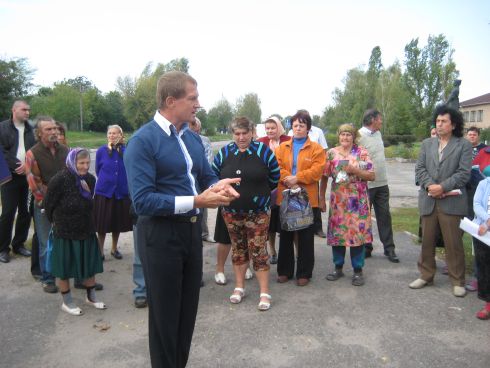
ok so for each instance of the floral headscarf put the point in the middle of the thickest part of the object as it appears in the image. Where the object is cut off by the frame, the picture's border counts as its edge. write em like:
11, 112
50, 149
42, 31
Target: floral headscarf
71, 164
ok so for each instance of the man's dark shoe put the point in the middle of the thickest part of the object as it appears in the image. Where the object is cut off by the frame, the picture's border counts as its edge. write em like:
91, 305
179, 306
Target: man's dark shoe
140, 302
4, 257
50, 288
282, 279
392, 257
320, 234
79, 285
335, 275
22, 251
303, 281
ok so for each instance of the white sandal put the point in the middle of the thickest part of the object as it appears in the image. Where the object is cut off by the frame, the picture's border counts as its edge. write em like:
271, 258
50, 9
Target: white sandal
265, 306
220, 278
237, 298
96, 305
76, 311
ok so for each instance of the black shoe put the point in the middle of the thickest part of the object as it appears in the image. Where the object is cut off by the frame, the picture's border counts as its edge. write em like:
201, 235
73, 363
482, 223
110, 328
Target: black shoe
4, 257
22, 251
321, 234
335, 275
392, 257
50, 288
79, 285
140, 302
116, 254
357, 279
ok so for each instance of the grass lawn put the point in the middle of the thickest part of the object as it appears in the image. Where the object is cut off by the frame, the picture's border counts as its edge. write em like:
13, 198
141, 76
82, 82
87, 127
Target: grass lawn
97, 139
407, 219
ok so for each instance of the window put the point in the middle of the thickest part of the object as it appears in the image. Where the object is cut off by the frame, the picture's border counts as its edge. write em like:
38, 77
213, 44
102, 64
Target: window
466, 116
479, 116
472, 116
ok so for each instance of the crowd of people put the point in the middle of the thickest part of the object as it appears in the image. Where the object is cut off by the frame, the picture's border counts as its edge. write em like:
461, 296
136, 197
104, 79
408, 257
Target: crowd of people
161, 184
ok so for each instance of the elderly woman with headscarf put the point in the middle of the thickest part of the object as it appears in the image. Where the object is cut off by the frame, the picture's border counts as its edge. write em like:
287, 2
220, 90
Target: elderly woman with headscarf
302, 162
75, 252
349, 218
247, 218
111, 199
275, 136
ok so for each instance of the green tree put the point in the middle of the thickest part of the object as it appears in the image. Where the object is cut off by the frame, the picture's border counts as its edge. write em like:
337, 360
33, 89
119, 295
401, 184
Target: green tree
249, 106
220, 115
139, 93
62, 103
349, 102
15, 82
393, 101
375, 67
429, 74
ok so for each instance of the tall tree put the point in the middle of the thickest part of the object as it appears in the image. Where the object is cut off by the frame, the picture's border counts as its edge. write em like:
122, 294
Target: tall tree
220, 115
429, 74
375, 68
15, 82
139, 93
249, 106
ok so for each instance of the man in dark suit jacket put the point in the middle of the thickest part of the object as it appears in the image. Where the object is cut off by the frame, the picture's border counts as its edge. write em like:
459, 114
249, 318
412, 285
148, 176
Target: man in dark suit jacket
16, 138
444, 165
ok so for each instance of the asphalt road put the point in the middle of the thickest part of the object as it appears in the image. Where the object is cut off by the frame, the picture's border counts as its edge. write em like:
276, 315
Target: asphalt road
325, 324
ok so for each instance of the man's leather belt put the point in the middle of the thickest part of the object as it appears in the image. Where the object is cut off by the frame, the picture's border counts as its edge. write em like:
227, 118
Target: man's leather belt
177, 218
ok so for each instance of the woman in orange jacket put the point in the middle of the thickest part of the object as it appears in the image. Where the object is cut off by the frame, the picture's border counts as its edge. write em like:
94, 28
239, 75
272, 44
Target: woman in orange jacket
302, 163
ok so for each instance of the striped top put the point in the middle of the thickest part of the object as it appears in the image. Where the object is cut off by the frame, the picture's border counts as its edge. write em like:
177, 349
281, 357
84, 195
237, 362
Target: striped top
257, 167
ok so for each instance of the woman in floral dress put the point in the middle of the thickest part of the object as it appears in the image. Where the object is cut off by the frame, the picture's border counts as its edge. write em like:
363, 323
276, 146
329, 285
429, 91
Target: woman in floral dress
349, 218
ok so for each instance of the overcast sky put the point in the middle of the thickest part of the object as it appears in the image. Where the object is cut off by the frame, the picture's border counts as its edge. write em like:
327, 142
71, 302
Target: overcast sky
291, 53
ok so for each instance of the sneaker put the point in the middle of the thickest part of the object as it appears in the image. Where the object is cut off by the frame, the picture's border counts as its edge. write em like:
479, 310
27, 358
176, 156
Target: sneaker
50, 288
335, 275
116, 254
418, 284
357, 279
459, 291
140, 302
471, 285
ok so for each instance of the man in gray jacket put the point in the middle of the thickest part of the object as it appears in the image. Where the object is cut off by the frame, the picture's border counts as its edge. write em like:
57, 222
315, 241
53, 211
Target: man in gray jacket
442, 171
379, 193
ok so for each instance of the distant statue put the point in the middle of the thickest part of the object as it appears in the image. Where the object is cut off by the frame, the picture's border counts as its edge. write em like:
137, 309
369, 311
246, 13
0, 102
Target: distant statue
453, 99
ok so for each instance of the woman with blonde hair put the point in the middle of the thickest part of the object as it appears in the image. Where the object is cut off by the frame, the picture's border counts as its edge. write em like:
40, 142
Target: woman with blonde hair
349, 218
111, 190
275, 136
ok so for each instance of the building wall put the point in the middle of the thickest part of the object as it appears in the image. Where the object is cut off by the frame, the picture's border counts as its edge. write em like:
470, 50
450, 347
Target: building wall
478, 116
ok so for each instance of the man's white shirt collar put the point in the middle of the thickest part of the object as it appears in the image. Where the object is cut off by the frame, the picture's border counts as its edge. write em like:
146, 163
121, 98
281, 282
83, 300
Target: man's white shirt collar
367, 130
165, 124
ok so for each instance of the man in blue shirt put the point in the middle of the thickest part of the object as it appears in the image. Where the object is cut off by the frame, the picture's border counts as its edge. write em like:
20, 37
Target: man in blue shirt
167, 168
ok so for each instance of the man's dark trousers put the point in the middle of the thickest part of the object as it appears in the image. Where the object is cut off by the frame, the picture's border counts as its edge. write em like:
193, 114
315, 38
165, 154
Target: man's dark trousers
379, 198
171, 254
14, 197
